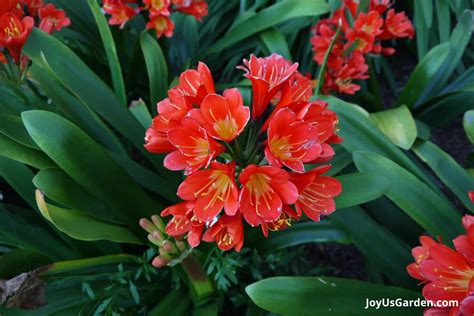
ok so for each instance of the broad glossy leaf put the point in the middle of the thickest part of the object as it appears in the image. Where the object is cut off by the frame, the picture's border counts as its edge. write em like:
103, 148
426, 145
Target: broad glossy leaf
13, 150
141, 113
268, 17
458, 42
373, 240
74, 109
110, 51
19, 177
424, 72
89, 165
274, 42
157, 68
361, 133
12, 126
444, 20
422, 32
398, 125
184, 45
302, 233
358, 188
445, 108
82, 83
80, 226
325, 296
430, 210
447, 169
61, 188
165, 187
468, 123
15, 231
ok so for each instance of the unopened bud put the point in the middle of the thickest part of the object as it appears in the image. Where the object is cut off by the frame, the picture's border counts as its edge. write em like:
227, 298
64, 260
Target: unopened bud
158, 222
160, 262
155, 238
147, 225
169, 247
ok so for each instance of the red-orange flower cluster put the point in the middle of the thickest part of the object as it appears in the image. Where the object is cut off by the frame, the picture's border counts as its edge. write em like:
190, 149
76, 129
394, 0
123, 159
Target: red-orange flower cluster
16, 25
159, 11
448, 274
245, 164
361, 34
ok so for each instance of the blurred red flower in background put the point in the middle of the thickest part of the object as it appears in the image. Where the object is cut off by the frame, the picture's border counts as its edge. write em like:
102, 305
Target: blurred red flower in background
361, 34
16, 26
159, 11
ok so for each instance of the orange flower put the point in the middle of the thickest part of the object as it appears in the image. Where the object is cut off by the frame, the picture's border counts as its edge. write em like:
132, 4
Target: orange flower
195, 85
52, 19
397, 25
184, 222
14, 33
227, 232
267, 76
162, 24
170, 112
195, 149
282, 222
448, 274
212, 190
158, 7
33, 6
264, 191
120, 12
291, 142
224, 116
196, 8
316, 192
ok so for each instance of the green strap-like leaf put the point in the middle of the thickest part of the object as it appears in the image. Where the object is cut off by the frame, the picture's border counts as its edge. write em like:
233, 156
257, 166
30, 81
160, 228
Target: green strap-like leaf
274, 42
359, 188
302, 233
61, 188
13, 150
424, 72
83, 227
83, 83
280, 12
156, 67
398, 125
12, 126
359, 226
74, 109
361, 133
17, 232
89, 165
110, 51
326, 296
448, 170
430, 210
141, 113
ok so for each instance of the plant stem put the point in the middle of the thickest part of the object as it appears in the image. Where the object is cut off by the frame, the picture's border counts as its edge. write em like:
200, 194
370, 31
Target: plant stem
322, 70
200, 285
